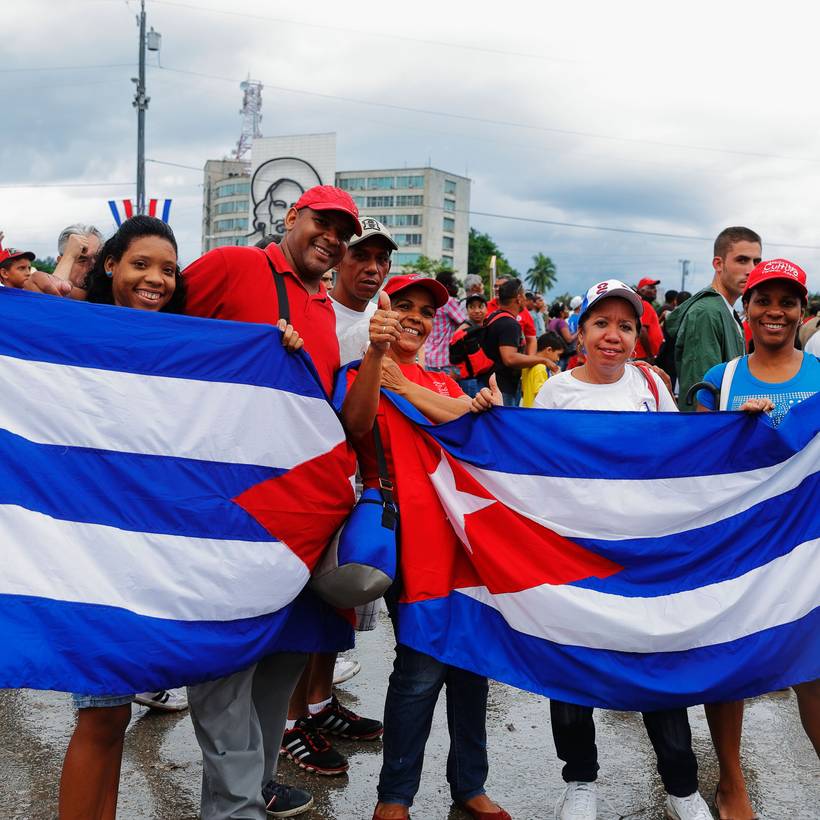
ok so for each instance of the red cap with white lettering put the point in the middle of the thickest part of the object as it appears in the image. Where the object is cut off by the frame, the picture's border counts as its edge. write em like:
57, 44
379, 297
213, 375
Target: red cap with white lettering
777, 269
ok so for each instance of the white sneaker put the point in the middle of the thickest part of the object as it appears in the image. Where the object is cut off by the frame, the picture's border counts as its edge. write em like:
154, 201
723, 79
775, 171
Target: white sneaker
166, 700
344, 670
687, 808
578, 802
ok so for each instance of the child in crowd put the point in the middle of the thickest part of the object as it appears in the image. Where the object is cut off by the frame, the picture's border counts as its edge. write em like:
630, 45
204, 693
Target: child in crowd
532, 378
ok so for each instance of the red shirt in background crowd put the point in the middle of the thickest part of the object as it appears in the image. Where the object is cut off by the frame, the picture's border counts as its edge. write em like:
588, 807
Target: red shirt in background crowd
236, 283
524, 319
438, 382
653, 326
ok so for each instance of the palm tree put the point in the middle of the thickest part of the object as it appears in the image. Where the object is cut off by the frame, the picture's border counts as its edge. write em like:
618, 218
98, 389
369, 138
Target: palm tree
542, 275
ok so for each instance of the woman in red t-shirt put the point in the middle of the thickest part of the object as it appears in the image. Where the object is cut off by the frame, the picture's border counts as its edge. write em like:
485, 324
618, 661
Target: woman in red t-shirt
397, 332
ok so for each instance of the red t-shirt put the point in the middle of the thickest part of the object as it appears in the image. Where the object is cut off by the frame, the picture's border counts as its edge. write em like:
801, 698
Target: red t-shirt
236, 283
653, 326
366, 450
524, 319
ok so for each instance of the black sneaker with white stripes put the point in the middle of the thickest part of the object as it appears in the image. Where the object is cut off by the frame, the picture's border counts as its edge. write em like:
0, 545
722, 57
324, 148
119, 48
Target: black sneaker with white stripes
285, 801
312, 752
337, 720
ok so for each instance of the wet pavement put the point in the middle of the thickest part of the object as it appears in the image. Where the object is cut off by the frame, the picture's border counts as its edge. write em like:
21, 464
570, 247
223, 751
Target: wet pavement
161, 766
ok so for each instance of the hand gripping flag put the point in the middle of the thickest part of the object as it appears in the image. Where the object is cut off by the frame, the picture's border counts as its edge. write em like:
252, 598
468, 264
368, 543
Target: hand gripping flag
626, 560
166, 485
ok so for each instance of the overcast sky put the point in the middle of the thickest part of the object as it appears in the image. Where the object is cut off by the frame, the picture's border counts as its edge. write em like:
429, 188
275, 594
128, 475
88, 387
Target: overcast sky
651, 117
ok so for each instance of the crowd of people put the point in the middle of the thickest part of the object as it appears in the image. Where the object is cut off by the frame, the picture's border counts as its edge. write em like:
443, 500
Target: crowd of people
326, 284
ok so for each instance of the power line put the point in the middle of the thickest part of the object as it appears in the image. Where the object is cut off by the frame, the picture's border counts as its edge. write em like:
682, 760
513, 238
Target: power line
505, 123
65, 67
380, 35
65, 184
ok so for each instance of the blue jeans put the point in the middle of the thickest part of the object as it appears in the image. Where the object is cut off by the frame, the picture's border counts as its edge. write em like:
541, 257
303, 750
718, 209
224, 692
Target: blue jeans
414, 687
472, 386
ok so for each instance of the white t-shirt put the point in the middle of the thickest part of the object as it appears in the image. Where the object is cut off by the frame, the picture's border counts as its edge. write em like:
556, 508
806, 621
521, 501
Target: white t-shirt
813, 345
631, 392
352, 330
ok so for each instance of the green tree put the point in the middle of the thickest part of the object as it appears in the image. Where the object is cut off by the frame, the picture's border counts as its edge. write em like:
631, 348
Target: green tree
48, 264
430, 267
480, 248
542, 275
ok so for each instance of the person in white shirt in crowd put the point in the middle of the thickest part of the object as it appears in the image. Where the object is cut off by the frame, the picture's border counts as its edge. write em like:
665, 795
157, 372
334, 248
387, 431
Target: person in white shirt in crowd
608, 327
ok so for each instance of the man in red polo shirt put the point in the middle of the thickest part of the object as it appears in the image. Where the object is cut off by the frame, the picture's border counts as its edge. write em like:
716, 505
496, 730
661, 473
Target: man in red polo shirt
651, 335
239, 720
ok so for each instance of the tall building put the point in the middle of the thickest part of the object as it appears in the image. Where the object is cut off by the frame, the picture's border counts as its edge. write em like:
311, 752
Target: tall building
427, 211
225, 197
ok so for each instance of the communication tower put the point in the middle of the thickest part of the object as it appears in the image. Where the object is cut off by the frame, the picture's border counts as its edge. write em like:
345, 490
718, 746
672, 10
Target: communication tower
251, 112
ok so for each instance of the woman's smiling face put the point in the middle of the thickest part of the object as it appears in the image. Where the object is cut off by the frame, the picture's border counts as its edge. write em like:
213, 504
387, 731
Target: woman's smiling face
773, 310
416, 311
609, 334
145, 276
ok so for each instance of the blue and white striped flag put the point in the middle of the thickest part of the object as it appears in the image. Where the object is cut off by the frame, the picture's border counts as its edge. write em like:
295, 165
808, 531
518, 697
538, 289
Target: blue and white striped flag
166, 485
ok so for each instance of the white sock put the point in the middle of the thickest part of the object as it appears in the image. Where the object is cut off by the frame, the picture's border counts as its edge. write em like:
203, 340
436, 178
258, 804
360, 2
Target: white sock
289, 724
315, 708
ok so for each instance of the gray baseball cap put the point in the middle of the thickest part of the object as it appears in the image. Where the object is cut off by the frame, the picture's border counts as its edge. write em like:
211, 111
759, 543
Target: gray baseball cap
370, 228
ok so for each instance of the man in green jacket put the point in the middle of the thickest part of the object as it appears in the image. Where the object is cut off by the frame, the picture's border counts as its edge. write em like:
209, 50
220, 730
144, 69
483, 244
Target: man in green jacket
705, 329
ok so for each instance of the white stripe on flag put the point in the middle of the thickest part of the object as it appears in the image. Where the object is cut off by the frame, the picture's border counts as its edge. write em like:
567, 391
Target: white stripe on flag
163, 576
157, 415
616, 509
779, 592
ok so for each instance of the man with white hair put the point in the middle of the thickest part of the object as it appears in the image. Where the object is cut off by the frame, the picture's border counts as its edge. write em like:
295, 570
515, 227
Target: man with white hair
77, 247
473, 286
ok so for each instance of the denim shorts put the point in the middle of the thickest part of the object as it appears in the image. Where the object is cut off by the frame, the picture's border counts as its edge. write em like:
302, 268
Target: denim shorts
97, 701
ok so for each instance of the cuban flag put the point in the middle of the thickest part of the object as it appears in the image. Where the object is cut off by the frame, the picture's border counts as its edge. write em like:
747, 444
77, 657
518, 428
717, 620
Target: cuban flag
163, 212
167, 483
634, 561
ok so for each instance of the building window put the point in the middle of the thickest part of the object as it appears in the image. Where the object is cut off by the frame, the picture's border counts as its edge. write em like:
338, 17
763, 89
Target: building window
232, 207
449, 186
380, 202
379, 183
233, 188
410, 182
409, 200
359, 200
407, 238
407, 220
231, 225
449, 224
406, 258
449, 205
447, 260
353, 184
448, 243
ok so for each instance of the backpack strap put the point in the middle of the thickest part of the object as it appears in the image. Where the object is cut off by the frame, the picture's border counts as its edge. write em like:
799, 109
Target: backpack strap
726, 382
650, 381
281, 290
385, 484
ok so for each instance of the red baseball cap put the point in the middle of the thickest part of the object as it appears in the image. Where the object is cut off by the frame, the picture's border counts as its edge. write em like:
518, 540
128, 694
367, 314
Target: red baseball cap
418, 280
8, 254
647, 281
329, 198
777, 269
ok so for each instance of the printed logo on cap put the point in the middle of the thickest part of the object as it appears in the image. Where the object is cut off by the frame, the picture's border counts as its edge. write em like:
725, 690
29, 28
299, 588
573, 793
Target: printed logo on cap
369, 224
781, 266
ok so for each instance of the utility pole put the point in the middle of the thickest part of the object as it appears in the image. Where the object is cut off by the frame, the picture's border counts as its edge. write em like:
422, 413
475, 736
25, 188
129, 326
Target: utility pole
151, 41
684, 271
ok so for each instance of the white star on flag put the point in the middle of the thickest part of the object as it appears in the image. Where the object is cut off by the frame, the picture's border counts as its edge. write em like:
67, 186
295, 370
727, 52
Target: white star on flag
457, 504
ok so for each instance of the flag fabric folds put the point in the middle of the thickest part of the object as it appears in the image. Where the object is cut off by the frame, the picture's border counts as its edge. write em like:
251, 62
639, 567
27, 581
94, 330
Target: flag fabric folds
633, 561
167, 484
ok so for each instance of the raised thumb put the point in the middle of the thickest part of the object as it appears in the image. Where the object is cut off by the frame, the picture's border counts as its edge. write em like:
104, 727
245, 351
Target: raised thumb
384, 300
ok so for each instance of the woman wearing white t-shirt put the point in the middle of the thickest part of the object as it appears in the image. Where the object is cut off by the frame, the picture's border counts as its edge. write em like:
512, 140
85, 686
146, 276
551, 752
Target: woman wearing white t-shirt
608, 328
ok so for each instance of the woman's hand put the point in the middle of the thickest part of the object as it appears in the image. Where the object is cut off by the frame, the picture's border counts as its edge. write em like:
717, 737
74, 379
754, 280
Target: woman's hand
487, 397
384, 326
392, 377
757, 406
291, 340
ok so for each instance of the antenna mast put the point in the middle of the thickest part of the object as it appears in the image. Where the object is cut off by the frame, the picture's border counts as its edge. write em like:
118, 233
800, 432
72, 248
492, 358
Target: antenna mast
251, 112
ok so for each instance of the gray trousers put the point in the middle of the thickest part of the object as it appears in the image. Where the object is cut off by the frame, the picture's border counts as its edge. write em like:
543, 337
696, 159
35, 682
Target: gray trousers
239, 721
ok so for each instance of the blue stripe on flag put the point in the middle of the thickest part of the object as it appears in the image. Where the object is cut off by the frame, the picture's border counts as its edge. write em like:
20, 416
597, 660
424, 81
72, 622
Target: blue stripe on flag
676, 439
726, 549
166, 210
446, 628
65, 331
146, 654
135, 492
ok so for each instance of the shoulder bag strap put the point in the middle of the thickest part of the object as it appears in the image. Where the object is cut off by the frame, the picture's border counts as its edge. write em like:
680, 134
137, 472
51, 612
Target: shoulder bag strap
651, 383
385, 484
281, 290
726, 382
